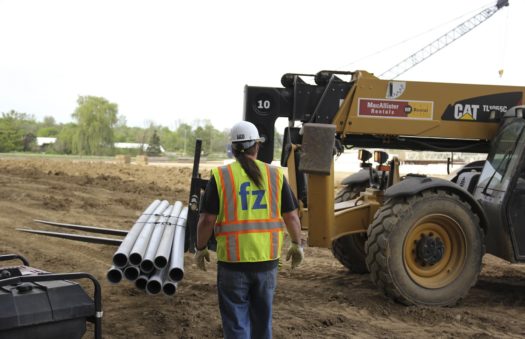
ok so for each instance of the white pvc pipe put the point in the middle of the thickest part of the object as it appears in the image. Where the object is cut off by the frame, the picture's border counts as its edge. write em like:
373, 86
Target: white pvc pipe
141, 282
164, 249
154, 285
114, 274
140, 246
176, 268
120, 258
131, 273
146, 265
169, 287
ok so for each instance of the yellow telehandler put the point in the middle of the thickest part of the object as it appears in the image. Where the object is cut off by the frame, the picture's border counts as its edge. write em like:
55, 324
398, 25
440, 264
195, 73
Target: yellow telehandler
421, 238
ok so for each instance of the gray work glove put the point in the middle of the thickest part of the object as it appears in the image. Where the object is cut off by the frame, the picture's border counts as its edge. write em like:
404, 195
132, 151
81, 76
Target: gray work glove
200, 256
296, 253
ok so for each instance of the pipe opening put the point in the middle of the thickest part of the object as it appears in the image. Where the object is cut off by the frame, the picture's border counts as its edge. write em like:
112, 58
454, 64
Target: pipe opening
176, 274
160, 262
135, 259
153, 287
146, 266
114, 275
131, 273
169, 288
120, 259
141, 282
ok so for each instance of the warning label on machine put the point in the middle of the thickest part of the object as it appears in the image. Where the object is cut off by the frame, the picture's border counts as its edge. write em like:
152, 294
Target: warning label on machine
398, 109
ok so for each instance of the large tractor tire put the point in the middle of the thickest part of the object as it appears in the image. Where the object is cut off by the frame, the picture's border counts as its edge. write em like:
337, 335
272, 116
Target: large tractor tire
350, 249
426, 249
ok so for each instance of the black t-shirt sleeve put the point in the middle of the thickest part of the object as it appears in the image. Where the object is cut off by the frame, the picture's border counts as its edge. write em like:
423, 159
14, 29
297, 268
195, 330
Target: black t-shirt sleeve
288, 200
210, 199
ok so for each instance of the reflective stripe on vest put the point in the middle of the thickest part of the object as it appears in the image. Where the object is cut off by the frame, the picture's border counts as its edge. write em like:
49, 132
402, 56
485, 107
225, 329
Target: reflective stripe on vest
250, 217
273, 193
226, 177
248, 226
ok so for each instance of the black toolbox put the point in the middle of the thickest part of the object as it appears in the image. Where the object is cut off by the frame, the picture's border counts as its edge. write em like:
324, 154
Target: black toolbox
35, 304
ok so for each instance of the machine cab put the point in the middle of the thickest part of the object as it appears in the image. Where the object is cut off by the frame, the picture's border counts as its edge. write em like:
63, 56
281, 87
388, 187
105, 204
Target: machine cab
501, 189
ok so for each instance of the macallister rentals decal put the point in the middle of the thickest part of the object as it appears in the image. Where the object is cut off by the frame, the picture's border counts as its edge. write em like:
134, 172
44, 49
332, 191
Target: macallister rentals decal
486, 108
395, 109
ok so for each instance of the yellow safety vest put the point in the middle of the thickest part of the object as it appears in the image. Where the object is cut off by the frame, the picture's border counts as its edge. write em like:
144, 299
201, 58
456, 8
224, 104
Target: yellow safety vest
249, 226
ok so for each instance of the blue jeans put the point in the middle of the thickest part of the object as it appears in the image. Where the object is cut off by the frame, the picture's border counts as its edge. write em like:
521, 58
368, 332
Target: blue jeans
245, 301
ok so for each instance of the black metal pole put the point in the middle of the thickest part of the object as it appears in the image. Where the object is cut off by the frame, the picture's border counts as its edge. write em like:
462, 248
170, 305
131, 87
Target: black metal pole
93, 229
197, 158
195, 191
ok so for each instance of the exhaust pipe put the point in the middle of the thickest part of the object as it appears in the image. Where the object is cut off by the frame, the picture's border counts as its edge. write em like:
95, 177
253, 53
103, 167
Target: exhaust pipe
176, 269
164, 250
120, 258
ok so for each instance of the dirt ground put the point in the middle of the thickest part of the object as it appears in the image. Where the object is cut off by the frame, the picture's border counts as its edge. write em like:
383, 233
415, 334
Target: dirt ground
318, 300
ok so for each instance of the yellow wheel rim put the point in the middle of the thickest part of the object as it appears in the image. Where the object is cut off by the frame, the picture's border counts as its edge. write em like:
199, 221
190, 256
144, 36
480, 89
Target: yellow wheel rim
434, 251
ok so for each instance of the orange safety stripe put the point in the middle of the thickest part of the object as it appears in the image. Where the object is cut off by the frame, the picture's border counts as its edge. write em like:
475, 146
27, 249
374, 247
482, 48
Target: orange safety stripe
270, 195
237, 247
227, 251
276, 240
249, 226
275, 181
235, 217
239, 222
277, 195
280, 229
224, 197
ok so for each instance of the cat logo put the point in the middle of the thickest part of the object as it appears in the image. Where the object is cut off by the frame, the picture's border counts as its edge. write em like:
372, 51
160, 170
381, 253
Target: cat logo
466, 112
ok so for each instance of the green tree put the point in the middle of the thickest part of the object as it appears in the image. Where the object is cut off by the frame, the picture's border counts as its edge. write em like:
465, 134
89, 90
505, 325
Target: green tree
201, 133
154, 145
48, 131
17, 131
29, 142
220, 141
169, 139
278, 145
49, 121
185, 139
64, 143
48, 127
96, 118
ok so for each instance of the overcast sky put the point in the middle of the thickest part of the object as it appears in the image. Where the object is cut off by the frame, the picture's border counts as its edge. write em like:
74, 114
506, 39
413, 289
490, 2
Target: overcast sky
172, 61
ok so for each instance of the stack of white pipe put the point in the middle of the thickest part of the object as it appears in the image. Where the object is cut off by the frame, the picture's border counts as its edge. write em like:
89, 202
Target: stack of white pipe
152, 253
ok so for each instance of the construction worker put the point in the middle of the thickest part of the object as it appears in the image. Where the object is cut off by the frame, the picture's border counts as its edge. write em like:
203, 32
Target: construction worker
245, 204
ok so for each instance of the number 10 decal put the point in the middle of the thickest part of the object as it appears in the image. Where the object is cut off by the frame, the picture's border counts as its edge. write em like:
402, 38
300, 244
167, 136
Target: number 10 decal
263, 104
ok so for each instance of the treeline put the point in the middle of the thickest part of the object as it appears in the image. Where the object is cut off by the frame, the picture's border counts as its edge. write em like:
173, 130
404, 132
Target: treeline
96, 127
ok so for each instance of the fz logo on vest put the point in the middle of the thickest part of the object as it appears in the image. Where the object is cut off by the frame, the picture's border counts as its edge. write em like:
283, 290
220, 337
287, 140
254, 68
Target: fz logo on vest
259, 195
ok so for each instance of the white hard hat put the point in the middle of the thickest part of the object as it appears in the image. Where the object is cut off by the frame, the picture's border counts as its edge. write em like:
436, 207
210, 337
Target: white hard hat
245, 133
